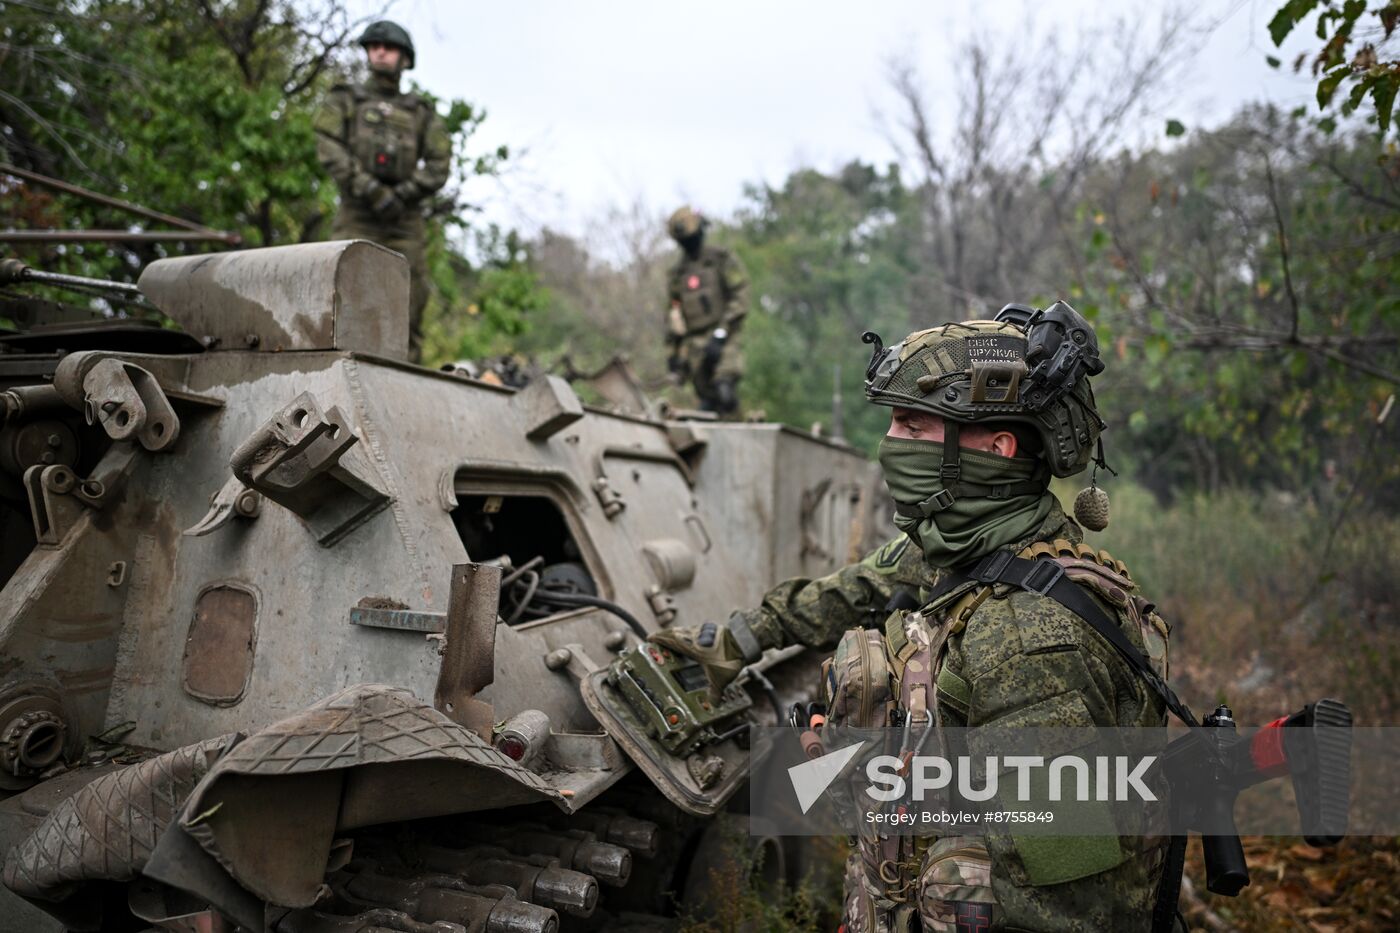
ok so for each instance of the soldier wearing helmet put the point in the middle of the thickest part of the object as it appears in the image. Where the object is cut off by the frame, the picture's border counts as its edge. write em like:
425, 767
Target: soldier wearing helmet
388, 152
984, 413
709, 295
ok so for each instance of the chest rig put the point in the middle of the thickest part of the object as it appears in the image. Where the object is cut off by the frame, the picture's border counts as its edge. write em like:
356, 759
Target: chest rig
922, 696
1061, 570
384, 135
701, 287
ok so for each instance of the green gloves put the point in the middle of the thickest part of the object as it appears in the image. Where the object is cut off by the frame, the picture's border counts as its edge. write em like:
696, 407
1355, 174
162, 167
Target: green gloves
722, 650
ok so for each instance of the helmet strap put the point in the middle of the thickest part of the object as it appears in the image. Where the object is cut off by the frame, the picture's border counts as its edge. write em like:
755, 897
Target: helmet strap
952, 451
1099, 461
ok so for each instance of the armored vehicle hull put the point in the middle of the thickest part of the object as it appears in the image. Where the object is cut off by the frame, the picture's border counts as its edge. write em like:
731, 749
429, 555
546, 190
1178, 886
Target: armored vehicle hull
292, 632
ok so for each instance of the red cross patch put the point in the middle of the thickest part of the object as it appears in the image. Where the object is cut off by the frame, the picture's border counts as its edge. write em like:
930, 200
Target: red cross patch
693, 282
972, 917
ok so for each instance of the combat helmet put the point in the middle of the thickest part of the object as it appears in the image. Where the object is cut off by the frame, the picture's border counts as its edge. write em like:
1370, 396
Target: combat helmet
389, 33
686, 222
1025, 367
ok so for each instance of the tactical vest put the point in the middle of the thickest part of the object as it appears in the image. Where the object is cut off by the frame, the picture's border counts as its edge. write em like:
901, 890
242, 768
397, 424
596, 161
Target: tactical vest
945, 882
385, 134
700, 284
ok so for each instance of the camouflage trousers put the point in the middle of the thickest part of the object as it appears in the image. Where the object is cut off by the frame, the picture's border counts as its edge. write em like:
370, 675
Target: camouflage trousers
406, 235
907, 884
715, 387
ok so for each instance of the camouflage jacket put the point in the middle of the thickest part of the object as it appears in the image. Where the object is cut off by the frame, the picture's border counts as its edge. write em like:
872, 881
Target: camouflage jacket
370, 132
710, 291
1018, 658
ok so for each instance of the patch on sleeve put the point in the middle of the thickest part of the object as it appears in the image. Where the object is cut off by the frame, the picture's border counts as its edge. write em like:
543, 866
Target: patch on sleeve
886, 559
972, 917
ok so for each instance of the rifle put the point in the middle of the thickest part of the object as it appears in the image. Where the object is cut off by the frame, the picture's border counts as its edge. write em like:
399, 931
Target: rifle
1312, 747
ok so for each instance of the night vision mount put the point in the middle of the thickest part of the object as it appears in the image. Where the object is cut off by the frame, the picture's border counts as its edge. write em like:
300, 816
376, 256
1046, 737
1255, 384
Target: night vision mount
1061, 348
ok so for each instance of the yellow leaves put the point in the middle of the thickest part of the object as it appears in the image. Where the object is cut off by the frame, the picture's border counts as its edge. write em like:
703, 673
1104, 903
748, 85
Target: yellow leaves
473, 309
1306, 852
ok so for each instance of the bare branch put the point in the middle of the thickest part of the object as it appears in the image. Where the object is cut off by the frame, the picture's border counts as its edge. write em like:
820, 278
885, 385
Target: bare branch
1282, 246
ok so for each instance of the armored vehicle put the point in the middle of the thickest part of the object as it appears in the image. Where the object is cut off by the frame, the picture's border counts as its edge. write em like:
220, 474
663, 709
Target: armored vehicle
295, 635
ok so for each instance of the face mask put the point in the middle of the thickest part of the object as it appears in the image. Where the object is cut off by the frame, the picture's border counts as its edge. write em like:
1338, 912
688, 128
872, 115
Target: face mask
971, 527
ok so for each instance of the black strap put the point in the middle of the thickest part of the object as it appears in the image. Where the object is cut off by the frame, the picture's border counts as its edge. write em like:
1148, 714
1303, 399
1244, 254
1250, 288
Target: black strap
1169, 888
949, 494
1048, 578
951, 467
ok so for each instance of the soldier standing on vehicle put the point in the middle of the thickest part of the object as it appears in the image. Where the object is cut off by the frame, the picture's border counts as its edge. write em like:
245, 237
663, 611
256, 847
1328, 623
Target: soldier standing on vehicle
388, 152
984, 414
709, 295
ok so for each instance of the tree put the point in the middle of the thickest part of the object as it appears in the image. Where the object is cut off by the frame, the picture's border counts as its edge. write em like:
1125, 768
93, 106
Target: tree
203, 109
830, 256
1357, 52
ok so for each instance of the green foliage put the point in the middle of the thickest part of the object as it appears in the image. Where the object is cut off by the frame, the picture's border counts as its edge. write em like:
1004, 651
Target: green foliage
830, 257
1241, 577
205, 111
1355, 52
500, 296
1233, 361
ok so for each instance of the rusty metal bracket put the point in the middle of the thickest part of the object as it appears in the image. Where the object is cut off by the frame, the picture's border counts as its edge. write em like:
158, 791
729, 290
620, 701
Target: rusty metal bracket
57, 496
233, 500
302, 459
469, 654
128, 402
55, 512
399, 620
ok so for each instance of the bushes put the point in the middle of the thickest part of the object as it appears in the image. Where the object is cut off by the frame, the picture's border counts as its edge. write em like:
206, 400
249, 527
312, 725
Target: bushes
1263, 614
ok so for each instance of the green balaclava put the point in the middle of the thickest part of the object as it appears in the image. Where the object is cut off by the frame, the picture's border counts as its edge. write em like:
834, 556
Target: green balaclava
1028, 371
970, 527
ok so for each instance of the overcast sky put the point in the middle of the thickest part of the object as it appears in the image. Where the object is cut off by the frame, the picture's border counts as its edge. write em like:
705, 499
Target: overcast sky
614, 101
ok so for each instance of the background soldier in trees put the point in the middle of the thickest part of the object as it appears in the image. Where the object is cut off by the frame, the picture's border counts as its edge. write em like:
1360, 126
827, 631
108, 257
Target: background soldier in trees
709, 293
388, 152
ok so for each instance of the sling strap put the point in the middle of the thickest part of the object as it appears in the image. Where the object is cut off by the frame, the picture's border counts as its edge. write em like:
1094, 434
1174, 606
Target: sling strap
1047, 578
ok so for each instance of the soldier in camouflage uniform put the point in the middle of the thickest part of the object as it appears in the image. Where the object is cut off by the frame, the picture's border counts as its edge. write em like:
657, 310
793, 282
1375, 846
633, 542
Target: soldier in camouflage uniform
389, 152
980, 423
709, 293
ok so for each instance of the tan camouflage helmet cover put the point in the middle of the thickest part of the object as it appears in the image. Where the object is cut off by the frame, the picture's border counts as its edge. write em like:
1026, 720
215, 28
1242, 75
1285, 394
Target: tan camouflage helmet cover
685, 222
1025, 368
